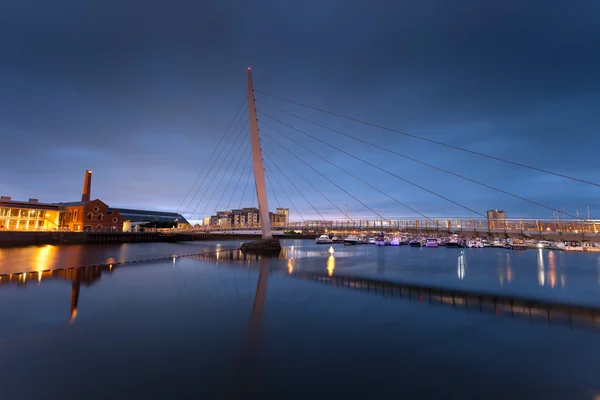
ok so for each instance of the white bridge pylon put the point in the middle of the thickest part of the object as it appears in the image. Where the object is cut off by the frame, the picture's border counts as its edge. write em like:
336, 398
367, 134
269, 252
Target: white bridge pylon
257, 164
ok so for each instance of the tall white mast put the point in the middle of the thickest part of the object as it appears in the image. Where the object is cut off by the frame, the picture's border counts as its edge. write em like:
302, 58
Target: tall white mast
257, 164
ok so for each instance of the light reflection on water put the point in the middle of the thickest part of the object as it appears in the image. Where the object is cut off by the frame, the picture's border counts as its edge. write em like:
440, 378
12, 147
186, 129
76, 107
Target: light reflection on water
557, 275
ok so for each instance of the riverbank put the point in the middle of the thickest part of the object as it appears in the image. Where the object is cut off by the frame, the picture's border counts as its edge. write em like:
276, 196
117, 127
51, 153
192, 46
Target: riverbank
16, 238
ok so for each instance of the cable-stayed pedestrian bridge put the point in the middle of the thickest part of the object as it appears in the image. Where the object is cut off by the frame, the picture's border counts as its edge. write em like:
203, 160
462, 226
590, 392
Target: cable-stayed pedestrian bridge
312, 162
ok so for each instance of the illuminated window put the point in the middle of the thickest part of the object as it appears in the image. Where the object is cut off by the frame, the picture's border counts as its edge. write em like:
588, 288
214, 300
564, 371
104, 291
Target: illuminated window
23, 213
14, 212
3, 212
75, 216
41, 214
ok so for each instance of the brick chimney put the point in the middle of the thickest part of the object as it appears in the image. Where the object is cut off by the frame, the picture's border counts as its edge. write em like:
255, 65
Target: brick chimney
87, 186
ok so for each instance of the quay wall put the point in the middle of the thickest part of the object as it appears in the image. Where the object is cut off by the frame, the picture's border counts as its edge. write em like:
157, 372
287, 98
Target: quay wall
15, 238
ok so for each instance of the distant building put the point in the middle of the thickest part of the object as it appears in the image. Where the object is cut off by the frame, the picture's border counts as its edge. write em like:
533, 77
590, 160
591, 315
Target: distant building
496, 219
246, 217
158, 218
86, 215
28, 215
282, 216
90, 216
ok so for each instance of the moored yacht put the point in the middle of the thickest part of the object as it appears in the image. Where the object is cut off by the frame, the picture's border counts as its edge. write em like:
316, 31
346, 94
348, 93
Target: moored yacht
324, 239
351, 240
415, 243
431, 242
395, 241
518, 244
591, 247
380, 240
372, 240
573, 246
453, 242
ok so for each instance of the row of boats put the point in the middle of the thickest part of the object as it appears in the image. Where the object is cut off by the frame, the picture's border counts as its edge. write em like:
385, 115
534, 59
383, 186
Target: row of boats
456, 241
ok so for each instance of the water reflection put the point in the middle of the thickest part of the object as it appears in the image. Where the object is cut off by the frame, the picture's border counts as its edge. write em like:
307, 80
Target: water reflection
77, 276
509, 274
43, 257
552, 269
540, 264
330, 265
461, 265
290, 265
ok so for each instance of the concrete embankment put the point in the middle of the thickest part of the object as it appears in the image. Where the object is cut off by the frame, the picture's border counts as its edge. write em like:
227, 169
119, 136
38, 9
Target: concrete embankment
15, 238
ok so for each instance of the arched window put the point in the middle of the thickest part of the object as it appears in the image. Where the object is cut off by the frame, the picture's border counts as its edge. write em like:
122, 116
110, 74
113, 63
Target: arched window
99, 228
100, 216
90, 216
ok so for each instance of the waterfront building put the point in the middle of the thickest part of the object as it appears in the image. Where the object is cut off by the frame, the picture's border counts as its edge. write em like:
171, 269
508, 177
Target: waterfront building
90, 216
86, 215
496, 219
28, 215
246, 217
286, 214
159, 218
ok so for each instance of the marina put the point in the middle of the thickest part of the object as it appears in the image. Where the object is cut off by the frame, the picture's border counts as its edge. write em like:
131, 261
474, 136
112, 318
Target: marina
444, 305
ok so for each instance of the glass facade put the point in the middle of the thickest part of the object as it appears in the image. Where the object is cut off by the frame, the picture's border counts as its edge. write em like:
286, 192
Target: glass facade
26, 219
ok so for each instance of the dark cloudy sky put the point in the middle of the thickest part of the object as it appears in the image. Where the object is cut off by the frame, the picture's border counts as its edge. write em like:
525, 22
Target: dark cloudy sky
141, 92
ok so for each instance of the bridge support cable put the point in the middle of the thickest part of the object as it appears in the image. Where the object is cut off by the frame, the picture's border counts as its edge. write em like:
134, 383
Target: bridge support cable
330, 181
355, 177
211, 154
272, 187
419, 161
431, 140
212, 166
284, 192
216, 173
248, 179
301, 176
240, 158
370, 164
247, 165
271, 162
234, 156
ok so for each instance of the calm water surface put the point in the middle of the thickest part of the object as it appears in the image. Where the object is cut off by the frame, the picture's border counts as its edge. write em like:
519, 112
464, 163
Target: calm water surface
225, 328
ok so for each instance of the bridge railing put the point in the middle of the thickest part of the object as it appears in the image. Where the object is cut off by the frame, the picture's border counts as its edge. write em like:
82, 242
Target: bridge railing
456, 225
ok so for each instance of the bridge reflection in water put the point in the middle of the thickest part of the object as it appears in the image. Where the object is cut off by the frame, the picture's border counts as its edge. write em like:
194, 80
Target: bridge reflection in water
530, 309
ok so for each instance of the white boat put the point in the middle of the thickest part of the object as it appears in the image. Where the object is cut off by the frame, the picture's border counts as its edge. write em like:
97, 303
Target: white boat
395, 241
323, 239
431, 242
485, 243
518, 244
351, 240
454, 242
372, 240
573, 246
591, 247
379, 241
543, 244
